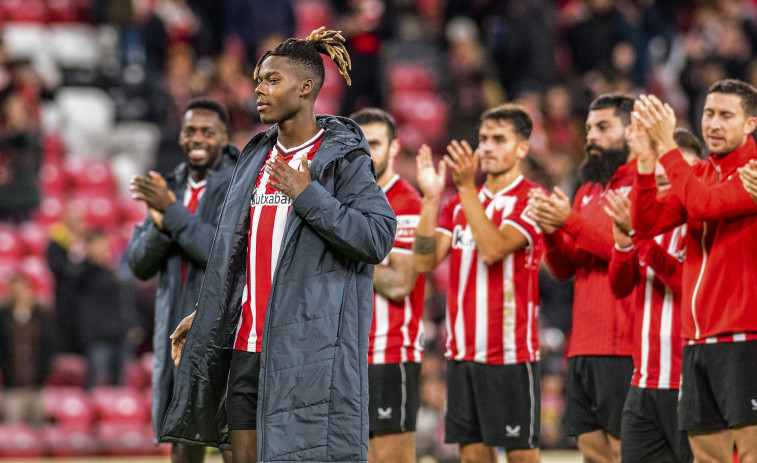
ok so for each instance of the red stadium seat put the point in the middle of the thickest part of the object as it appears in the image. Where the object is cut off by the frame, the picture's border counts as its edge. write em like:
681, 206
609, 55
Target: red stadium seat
310, 15
100, 209
49, 211
25, 11
135, 375
64, 11
63, 442
130, 212
20, 441
120, 405
90, 176
10, 247
68, 370
35, 267
34, 239
52, 180
70, 407
125, 439
411, 77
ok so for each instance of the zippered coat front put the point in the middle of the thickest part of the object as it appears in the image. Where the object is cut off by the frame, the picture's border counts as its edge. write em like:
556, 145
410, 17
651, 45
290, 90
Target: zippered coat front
313, 394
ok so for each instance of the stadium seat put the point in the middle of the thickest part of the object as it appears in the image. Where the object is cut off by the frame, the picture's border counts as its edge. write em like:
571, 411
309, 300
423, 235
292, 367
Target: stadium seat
310, 15
25, 11
89, 176
49, 211
33, 238
10, 247
52, 181
69, 407
64, 11
35, 268
68, 370
75, 46
120, 405
87, 115
100, 209
125, 439
135, 376
25, 40
20, 441
7, 268
63, 442
411, 77
130, 212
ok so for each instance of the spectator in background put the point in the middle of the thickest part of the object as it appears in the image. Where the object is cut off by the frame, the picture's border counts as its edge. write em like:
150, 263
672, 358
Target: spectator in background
64, 253
252, 21
472, 78
20, 146
104, 312
367, 25
171, 23
27, 344
174, 240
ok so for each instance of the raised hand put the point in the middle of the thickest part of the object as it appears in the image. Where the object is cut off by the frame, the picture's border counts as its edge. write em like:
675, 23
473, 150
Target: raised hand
179, 337
430, 181
748, 175
463, 163
640, 146
618, 207
549, 211
659, 121
153, 190
286, 179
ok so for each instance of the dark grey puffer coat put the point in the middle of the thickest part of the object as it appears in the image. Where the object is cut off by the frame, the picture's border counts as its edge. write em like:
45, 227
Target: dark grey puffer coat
152, 252
313, 402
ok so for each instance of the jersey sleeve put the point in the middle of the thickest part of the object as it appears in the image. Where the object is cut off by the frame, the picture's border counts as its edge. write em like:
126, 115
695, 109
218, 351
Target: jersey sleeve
445, 222
407, 209
520, 218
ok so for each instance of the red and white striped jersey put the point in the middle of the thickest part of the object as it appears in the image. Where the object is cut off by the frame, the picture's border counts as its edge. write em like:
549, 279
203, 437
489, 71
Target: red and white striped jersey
658, 347
268, 214
396, 330
492, 310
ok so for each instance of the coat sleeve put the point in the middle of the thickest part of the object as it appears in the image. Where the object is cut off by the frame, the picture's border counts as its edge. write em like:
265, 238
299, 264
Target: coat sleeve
562, 256
148, 250
357, 220
706, 202
666, 267
588, 237
188, 230
652, 214
623, 272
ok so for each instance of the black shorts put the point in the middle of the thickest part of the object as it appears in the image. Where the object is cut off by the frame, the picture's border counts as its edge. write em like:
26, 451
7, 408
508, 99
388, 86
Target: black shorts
649, 431
242, 391
719, 386
393, 396
498, 405
596, 387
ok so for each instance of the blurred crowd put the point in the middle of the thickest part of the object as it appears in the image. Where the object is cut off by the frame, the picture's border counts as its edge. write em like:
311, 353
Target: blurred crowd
91, 92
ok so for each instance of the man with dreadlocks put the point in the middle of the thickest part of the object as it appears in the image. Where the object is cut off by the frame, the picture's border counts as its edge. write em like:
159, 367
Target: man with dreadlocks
276, 360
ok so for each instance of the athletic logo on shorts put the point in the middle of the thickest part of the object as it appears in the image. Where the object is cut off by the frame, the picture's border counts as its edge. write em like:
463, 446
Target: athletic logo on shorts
754, 404
385, 413
512, 431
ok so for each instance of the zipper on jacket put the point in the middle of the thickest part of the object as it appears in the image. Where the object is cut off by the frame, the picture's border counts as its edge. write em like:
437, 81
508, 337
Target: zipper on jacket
699, 281
341, 312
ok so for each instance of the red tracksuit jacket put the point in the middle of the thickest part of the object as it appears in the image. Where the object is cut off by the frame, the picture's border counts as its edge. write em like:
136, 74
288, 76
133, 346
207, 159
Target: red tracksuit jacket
719, 290
582, 247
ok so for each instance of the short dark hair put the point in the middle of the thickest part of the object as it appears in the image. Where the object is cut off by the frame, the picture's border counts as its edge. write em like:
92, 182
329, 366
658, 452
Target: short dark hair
687, 141
210, 105
622, 103
740, 88
307, 54
376, 115
515, 114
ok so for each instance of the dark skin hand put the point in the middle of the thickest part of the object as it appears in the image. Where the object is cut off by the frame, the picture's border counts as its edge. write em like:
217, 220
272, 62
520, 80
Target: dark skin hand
153, 191
287, 180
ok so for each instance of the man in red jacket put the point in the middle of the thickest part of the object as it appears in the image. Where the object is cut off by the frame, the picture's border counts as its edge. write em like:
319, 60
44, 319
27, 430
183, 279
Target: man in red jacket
651, 269
579, 243
718, 403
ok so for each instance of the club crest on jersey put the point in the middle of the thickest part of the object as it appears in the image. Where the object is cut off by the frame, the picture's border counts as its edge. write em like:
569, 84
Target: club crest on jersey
271, 199
506, 204
462, 238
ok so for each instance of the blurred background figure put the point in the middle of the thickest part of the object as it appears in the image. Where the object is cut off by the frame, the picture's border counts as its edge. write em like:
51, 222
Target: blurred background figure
105, 316
27, 344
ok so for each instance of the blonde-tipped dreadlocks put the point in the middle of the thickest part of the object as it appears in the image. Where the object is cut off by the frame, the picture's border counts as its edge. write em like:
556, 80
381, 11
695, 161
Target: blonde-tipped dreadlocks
306, 52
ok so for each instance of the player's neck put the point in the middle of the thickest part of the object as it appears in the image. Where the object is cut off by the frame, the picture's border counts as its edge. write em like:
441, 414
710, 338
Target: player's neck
386, 177
497, 182
197, 175
298, 129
